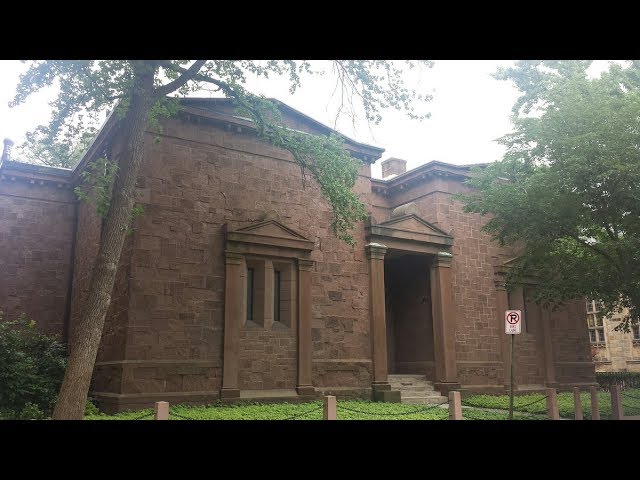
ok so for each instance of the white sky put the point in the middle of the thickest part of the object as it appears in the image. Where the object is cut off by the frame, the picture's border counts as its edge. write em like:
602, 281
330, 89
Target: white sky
470, 109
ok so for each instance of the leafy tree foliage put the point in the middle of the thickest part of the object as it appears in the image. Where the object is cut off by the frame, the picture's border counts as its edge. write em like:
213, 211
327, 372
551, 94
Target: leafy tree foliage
566, 193
31, 369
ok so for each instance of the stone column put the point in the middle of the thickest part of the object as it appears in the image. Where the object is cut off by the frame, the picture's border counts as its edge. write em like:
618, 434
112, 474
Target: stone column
549, 365
233, 308
502, 304
304, 386
444, 324
375, 256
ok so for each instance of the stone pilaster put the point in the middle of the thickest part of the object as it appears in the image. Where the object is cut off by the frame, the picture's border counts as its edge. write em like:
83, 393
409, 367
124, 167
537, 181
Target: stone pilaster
549, 363
233, 308
444, 324
304, 386
375, 256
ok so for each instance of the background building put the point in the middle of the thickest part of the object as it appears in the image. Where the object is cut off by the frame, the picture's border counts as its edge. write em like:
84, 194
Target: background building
612, 351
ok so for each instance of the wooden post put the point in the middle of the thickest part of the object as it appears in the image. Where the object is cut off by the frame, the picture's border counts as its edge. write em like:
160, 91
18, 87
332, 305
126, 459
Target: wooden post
455, 406
330, 407
552, 404
162, 411
595, 409
577, 404
616, 403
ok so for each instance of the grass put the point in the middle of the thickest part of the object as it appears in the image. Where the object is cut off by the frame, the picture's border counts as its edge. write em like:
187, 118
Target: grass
487, 407
347, 410
536, 403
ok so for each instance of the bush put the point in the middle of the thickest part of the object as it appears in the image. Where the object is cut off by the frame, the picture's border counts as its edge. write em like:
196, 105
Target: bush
624, 379
31, 412
31, 369
91, 410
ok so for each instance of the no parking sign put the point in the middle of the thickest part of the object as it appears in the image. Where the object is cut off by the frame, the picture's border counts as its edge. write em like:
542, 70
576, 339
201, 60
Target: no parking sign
512, 321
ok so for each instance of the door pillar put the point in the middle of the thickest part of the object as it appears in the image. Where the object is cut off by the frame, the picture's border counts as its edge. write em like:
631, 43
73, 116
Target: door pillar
444, 324
375, 257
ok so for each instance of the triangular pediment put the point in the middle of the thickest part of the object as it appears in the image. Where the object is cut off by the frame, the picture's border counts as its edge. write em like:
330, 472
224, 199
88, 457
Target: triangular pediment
272, 228
413, 223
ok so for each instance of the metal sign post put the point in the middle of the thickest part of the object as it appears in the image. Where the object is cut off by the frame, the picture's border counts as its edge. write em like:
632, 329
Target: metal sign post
512, 326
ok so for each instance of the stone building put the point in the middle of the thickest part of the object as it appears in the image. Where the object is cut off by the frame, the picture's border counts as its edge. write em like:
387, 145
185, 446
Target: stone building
612, 351
232, 285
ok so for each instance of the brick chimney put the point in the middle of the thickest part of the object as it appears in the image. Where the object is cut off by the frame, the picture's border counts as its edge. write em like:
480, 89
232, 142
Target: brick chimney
6, 152
393, 166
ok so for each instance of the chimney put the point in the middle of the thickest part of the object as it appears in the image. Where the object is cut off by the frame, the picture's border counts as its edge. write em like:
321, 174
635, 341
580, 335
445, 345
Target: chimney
6, 152
393, 166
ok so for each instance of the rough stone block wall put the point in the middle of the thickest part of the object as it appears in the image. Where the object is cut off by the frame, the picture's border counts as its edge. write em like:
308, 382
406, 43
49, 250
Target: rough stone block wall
268, 359
478, 328
192, 182
36, 227
571, 346
529, 350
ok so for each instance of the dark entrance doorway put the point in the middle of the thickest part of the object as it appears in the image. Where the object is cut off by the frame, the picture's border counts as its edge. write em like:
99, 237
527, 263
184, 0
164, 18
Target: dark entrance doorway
408, 314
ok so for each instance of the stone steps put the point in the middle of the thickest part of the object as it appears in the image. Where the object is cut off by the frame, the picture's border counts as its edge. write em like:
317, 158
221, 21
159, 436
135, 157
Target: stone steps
424, 400
415, 389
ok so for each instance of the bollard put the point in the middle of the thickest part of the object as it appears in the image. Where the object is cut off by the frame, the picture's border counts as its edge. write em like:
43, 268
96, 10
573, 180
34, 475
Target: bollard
455, 406
552, 404
595, 409
162, 411
616, 403
577, 404
330, 407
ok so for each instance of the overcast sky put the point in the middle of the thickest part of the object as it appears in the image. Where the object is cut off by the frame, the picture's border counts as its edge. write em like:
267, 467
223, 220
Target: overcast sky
470, 109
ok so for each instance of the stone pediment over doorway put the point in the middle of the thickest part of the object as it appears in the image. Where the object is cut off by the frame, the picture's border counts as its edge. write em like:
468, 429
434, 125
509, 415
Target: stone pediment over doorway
269, 233
409, 232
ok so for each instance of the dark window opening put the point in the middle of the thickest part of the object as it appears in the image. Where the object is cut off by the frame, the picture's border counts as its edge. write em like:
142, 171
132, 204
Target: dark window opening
250, 276
276, 296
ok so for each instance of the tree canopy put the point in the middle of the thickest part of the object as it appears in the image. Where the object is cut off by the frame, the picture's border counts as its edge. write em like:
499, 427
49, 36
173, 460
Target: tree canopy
566, 193
89, 87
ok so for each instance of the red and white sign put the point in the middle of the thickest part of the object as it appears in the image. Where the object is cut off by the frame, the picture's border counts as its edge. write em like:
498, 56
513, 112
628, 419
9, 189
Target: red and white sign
512, 321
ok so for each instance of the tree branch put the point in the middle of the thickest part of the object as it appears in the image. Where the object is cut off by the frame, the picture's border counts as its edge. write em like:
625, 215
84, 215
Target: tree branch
187, 74
596, 249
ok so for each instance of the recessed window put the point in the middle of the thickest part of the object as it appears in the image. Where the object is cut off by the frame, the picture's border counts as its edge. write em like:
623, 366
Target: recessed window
636, 332
276, 295
250, 284
269, 293
283, 293
254, 293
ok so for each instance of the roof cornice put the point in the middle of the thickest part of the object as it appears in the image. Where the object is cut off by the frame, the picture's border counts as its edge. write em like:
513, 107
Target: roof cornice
426, 172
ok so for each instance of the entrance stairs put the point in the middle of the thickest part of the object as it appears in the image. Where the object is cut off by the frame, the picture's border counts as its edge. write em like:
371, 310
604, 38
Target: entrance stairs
415, 389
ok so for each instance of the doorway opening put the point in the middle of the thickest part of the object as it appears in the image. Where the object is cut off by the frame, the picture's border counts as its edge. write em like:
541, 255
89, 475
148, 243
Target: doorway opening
408, 314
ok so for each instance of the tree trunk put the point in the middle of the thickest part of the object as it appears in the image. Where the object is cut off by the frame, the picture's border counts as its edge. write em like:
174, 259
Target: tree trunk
88, 332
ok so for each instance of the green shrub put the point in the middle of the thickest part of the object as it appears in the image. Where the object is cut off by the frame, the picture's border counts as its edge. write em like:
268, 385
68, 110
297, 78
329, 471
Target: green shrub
31, 412
624, 379
31, 369
91, 410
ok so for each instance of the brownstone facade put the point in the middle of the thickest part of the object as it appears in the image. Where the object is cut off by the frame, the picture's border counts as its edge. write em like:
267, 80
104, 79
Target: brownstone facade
232, 284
